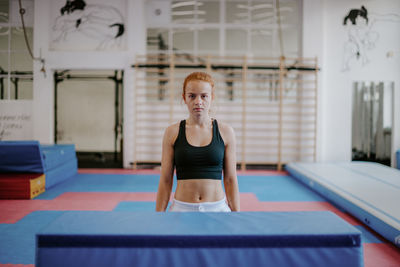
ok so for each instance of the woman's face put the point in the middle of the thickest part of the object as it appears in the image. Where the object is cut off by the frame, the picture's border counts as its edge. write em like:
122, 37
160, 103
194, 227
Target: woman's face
198, 97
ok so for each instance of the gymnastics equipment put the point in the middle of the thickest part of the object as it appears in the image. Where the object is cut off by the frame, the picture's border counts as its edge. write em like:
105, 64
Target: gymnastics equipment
57, 162
271, 103
369, 191
199, 239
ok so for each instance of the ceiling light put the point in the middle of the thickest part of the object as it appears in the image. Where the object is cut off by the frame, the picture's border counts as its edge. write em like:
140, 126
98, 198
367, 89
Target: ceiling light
186, 3
184, 13
255, 6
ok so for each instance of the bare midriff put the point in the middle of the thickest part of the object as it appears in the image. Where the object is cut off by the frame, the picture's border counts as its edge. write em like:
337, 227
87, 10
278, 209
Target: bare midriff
199, 190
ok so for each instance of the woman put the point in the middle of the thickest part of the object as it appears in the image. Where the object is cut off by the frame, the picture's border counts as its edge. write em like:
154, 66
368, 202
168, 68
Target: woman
201, 149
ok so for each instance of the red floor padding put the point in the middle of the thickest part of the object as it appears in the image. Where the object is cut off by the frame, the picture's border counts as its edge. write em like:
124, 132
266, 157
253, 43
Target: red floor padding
89, 196
381, 255
14, 210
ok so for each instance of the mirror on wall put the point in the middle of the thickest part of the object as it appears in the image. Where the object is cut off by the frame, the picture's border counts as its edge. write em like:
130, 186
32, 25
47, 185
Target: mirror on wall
372, 121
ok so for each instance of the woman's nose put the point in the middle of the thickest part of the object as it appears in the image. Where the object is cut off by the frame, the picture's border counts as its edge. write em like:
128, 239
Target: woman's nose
197, 100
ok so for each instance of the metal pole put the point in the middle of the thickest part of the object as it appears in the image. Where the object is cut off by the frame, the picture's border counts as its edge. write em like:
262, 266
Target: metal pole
116, 103
56, 81
281, 70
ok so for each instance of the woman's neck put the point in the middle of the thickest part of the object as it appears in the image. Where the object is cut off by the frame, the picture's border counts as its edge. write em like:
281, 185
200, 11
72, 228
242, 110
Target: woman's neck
199, 121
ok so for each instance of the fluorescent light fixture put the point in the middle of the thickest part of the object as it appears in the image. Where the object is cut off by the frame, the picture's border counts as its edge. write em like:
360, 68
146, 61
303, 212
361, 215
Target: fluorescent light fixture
242, 15
286, 8
263, 15
189, 21
186, 3
261, 32
4, 28
185, 13
266, 21
259, 6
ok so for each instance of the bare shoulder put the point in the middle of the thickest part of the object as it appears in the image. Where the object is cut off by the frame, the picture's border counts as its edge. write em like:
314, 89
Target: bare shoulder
171, 133
226, 131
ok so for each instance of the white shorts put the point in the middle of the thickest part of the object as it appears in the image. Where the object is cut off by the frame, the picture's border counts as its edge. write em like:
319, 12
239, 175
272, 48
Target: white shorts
217, 206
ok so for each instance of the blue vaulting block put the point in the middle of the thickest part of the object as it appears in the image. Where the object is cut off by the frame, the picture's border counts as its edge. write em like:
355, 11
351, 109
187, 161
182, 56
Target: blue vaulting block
21, 156
56, 155
57, 162
199, 239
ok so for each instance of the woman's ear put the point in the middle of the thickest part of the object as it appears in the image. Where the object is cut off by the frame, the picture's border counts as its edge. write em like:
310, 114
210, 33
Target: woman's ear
183, 97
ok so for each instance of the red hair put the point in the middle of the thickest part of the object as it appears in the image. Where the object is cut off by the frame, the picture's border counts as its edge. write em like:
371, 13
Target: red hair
198, 76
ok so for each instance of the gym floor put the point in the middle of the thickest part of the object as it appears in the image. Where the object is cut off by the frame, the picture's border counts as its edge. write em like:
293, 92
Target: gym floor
126, 190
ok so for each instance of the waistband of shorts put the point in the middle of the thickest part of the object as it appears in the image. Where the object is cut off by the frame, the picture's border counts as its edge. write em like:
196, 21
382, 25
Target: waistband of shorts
214, 203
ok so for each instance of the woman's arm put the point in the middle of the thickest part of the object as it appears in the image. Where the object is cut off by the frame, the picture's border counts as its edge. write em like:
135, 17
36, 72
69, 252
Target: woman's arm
230, 176
167, 169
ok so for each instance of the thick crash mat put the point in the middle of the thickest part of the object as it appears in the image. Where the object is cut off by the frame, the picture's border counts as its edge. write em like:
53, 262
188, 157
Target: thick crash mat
367, 190
21, 156
199, 239
57, 162
21, 185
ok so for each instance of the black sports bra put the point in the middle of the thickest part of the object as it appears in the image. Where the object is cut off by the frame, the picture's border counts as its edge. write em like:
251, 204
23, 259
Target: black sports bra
203, 162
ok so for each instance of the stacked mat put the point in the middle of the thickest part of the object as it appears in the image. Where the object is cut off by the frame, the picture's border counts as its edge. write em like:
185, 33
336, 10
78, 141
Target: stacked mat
27, 166
21, 185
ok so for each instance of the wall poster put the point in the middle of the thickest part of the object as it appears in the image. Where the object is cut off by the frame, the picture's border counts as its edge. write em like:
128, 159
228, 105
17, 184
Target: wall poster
87, 25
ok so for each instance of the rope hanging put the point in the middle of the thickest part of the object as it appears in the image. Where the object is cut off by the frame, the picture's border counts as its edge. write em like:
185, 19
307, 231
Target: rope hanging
22, 13
278, 13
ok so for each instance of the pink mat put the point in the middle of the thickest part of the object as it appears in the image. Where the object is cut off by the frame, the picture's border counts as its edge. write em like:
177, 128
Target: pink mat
381, 255
14, 210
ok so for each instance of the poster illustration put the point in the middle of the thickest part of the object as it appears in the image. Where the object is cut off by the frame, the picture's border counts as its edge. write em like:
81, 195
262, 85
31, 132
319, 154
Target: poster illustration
87, 25
364, 33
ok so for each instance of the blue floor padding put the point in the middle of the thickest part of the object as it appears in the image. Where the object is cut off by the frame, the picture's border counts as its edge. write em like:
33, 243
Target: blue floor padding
135, 206
104, 183
277, 188
17, 241
367, 236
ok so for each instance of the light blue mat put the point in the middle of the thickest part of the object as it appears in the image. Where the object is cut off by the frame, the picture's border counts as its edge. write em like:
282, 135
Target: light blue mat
369, 191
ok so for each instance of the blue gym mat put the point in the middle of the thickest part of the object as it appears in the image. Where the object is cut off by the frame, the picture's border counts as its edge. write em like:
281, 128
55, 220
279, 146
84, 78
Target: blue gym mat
199, 239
